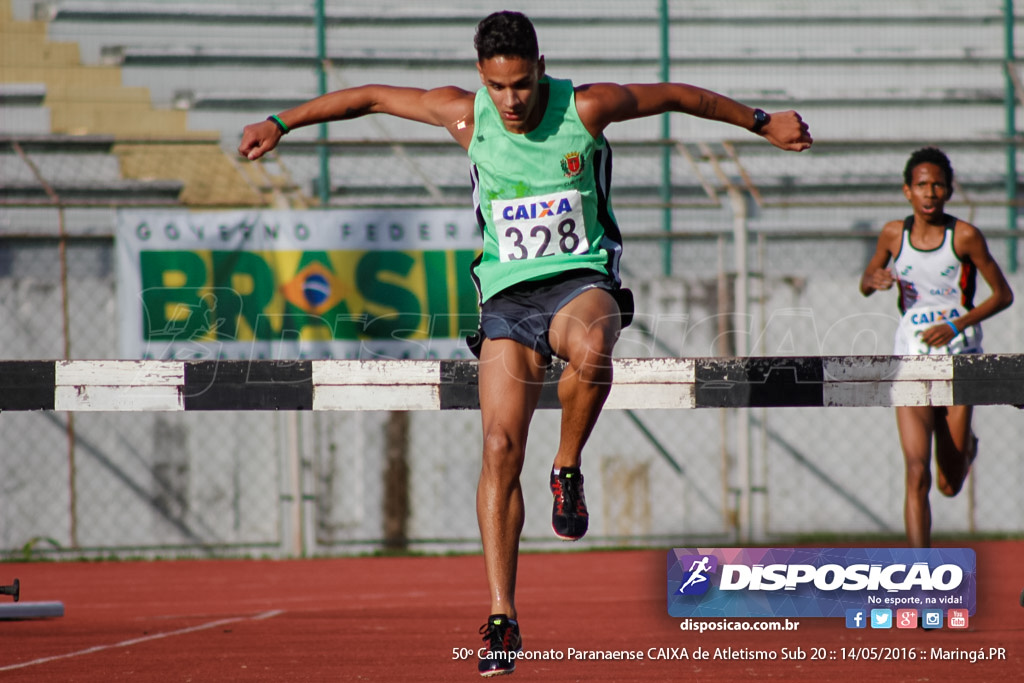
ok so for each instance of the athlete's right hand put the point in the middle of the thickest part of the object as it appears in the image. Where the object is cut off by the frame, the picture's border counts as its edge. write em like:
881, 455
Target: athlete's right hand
882, 279
258, 139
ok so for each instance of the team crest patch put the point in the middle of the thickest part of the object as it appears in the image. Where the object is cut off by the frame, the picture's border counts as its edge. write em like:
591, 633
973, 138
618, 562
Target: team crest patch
572, 164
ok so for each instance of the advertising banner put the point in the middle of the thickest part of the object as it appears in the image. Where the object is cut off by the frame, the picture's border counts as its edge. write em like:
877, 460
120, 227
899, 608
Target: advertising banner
248, 285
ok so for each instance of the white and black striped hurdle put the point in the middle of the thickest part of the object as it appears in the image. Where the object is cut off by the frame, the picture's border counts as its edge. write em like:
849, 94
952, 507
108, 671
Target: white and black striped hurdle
639, 384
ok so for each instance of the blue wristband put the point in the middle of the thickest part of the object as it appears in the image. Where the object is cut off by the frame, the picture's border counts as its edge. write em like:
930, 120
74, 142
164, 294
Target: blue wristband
956, 331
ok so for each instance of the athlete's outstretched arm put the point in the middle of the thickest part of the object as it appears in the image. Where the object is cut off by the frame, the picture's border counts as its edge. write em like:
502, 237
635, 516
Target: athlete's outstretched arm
447, 107
601, 104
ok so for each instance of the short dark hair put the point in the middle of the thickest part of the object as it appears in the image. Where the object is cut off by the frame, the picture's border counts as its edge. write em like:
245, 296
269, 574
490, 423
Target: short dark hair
506, 34
928, 155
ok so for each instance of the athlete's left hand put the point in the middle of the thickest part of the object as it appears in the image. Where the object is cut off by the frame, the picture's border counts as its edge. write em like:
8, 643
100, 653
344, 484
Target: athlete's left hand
938, 335
786, 130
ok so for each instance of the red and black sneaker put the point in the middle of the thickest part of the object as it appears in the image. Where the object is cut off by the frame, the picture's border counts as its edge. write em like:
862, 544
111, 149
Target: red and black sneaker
569, 517
503, 644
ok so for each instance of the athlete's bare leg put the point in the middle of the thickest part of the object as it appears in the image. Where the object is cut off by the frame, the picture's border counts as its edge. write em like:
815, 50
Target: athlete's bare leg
584, 333
511, 376
955, 448
916, 425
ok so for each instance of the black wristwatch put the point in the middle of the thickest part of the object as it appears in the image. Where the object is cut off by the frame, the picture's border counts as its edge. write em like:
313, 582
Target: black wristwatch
760, 119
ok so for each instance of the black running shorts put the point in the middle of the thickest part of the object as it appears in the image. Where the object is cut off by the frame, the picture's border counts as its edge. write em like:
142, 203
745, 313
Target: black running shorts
523, 312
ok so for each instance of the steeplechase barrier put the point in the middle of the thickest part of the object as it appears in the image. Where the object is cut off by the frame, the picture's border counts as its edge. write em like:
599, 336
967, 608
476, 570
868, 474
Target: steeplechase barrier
639, 383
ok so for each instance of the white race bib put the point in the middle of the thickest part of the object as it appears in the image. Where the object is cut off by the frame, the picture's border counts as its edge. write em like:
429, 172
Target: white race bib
918, 319
535, 227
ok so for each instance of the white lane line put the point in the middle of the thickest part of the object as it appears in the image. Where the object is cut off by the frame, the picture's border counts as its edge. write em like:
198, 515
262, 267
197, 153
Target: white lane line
143, 639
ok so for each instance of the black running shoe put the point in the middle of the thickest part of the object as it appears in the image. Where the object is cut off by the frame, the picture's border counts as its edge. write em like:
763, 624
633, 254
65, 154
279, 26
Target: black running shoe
569, 517
503, 643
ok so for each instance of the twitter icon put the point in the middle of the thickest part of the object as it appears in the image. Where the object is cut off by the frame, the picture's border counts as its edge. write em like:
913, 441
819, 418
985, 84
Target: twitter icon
881, 618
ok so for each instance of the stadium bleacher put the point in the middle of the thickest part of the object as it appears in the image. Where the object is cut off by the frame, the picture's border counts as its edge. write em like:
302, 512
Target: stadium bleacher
75, 133
907, 72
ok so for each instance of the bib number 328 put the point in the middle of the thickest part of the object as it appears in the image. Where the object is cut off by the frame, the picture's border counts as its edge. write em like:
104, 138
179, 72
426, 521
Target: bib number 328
535, 227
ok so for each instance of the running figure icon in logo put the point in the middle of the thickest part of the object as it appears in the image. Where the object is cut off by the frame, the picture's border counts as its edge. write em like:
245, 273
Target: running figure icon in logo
696, 582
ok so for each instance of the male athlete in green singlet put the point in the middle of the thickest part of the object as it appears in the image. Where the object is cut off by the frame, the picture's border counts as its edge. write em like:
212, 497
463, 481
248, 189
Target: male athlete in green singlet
548, 276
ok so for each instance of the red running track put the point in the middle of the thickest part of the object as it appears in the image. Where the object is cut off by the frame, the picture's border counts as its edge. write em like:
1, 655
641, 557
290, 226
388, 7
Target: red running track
389, 619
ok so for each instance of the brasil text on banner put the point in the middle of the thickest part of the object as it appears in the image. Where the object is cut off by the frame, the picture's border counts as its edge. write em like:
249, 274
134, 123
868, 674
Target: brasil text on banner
296, 284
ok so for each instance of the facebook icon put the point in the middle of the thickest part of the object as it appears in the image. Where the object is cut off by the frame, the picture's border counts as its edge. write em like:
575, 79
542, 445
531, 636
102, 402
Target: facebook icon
856, 618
